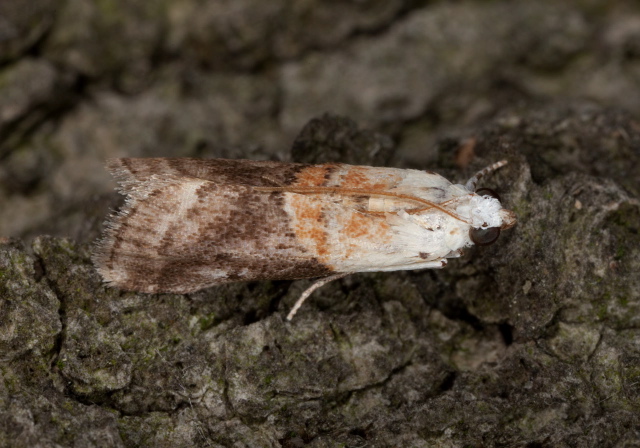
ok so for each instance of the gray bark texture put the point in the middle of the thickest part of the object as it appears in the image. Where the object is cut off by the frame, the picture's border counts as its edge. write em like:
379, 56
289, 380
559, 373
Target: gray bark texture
533, 341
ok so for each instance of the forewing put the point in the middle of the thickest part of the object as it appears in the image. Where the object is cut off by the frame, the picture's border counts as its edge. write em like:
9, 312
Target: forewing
181, 234
131, 172
188, 223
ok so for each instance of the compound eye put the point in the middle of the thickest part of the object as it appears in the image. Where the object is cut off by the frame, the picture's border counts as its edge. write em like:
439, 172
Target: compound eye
488, 192
484, 237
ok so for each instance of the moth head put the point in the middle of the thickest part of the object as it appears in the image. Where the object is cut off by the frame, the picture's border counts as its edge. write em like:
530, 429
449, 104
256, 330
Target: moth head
488, 217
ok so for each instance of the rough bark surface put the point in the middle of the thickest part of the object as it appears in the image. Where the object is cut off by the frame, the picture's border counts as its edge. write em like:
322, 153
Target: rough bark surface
534, 341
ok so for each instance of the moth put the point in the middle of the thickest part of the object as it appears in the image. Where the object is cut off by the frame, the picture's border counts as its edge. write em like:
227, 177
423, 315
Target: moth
188, 224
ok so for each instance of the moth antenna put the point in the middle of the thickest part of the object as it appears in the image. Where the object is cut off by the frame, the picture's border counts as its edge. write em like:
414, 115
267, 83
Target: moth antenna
355, 192
473, 182
307, 292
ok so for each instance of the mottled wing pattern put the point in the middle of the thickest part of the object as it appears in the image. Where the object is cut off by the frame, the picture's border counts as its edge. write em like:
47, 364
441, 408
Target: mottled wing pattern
189, 224
130, 172
356, 227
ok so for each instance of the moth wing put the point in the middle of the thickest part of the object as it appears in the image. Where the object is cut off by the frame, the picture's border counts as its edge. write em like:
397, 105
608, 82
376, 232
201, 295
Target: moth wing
181, 234
351, 216
426, 185
381, 184
130, 172
188, 223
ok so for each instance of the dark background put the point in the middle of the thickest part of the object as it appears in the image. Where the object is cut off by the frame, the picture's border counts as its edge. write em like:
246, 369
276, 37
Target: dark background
534, 341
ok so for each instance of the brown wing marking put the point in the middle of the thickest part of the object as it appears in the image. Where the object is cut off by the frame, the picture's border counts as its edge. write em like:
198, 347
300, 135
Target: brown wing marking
128, 171
184, 234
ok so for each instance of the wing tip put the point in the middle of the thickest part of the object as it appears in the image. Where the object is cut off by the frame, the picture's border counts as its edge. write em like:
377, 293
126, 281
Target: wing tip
123, 174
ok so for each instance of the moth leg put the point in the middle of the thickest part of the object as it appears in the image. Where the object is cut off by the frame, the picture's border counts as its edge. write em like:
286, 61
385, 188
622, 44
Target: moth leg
318, 284
434, 264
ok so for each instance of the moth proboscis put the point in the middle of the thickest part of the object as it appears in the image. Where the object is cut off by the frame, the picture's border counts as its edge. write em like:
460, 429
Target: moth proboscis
188, 224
